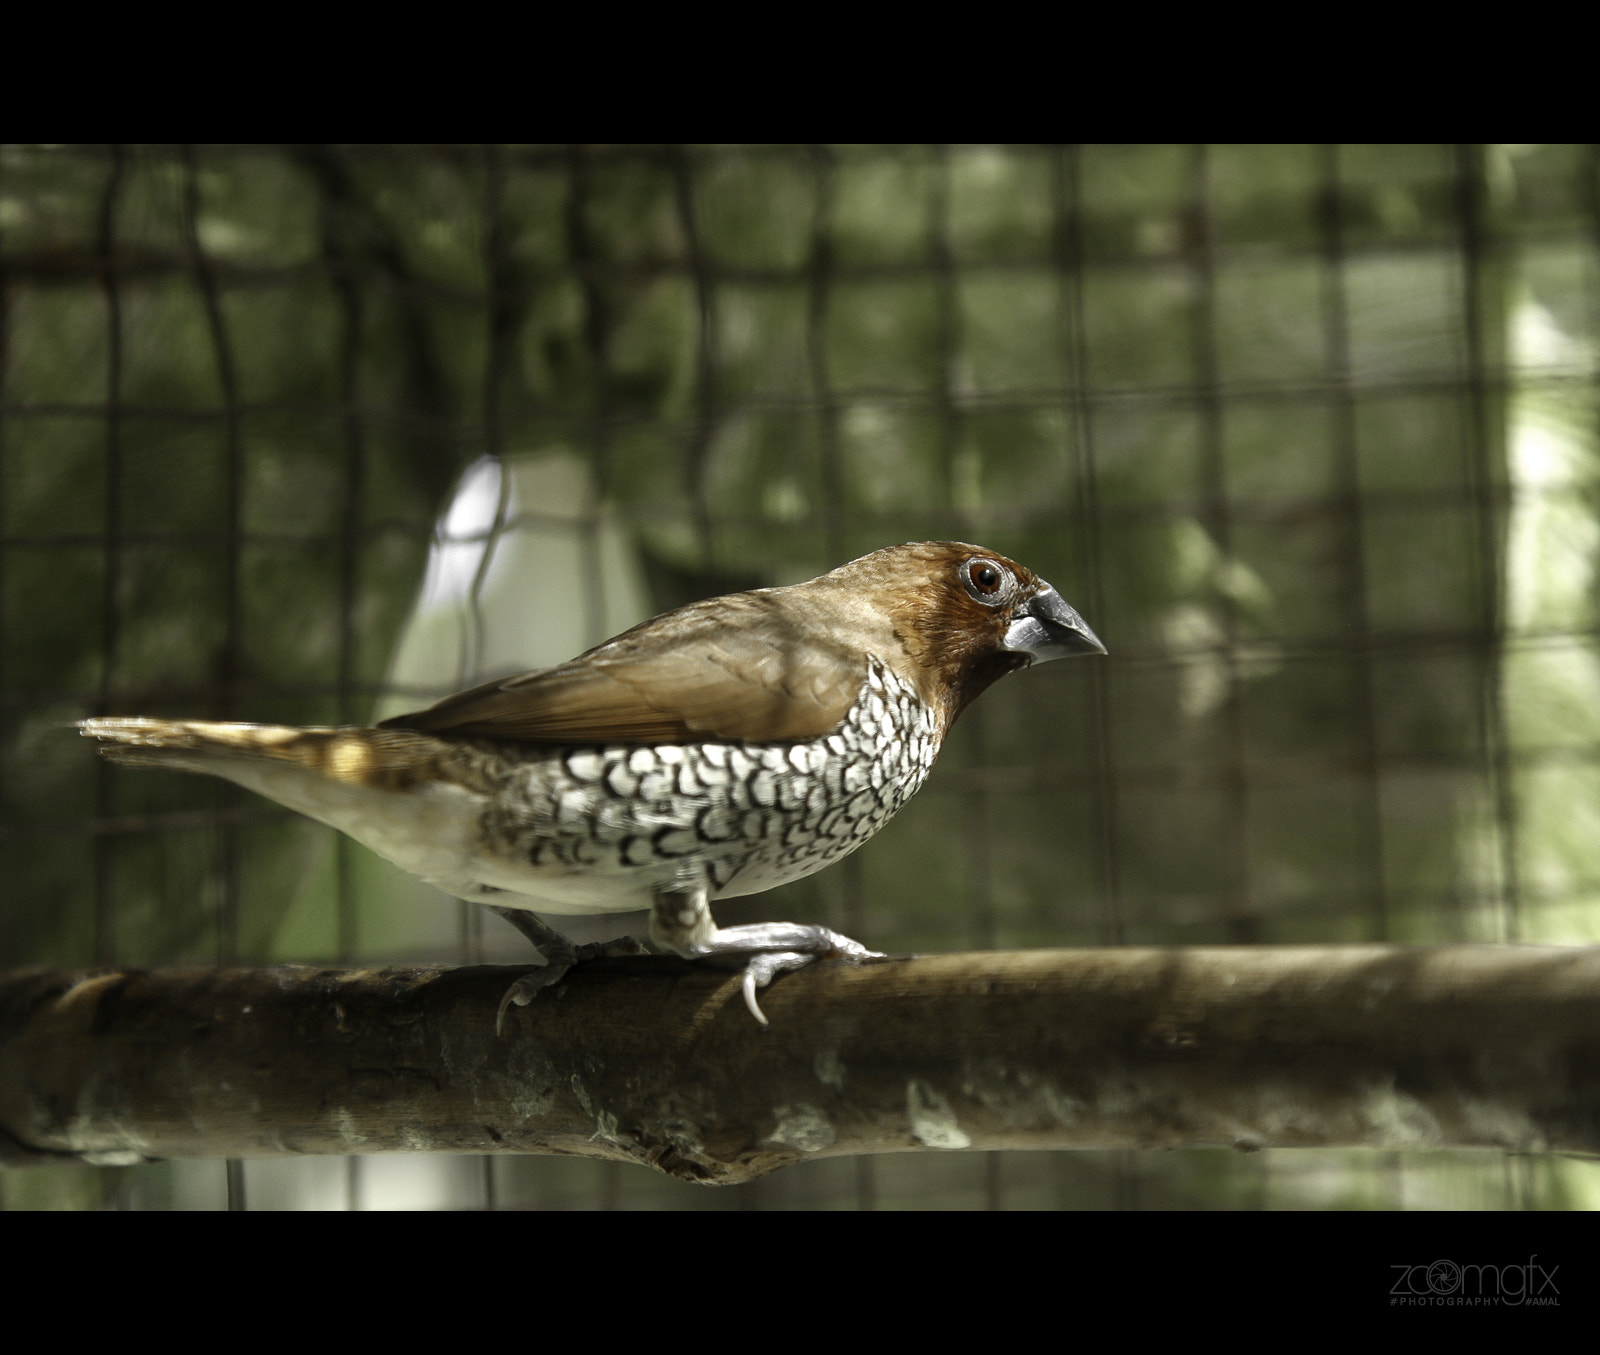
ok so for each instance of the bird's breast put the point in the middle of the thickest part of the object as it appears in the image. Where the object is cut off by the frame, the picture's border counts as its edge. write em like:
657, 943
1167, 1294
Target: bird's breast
598, 828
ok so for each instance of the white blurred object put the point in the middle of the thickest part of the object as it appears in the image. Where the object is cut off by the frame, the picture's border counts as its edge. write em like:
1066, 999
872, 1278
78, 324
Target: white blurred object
527, 570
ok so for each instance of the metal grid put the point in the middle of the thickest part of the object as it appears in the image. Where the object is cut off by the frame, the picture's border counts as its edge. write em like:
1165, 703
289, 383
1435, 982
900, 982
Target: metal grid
1269, 415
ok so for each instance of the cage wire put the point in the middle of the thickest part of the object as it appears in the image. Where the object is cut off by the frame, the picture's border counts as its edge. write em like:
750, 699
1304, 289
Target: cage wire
317, 434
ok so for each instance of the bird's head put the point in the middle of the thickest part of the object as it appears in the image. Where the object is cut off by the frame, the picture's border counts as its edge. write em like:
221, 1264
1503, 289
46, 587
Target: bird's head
963, 616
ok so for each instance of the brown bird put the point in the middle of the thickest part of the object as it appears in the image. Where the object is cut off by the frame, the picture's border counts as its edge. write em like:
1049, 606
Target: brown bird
721, 749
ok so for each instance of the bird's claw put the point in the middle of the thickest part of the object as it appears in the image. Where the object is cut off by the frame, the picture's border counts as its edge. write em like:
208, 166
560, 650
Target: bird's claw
525, 989
531, 984
760, 970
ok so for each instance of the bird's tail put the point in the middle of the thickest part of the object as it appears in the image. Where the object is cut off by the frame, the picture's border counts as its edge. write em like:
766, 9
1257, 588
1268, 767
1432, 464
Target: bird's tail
195, 745
351, 778
246, 753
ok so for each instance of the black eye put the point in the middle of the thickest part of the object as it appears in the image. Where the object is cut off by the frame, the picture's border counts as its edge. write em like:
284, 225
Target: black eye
987, 581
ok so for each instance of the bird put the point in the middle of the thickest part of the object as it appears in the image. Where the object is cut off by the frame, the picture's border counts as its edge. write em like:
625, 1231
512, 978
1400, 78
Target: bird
716, 751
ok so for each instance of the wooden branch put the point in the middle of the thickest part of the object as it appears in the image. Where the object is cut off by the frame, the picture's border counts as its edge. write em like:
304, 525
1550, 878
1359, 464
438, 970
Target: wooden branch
656, 1061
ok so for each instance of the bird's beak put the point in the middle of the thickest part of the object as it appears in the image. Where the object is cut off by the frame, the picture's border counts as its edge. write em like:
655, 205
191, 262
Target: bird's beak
1045, 628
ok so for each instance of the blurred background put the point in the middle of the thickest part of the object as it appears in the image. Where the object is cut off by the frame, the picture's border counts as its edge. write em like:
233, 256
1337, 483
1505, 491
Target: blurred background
317, 434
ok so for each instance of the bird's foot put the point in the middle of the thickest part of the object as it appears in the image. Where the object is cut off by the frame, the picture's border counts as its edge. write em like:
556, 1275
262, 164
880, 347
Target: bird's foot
528, 987
780, 948
555, 968
559, 956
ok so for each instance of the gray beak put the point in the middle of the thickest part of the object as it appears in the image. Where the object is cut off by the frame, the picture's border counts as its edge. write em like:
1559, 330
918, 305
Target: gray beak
1045, 628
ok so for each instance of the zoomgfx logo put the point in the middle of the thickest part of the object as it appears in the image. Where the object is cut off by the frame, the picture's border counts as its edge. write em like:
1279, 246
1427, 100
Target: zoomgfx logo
1449, 1284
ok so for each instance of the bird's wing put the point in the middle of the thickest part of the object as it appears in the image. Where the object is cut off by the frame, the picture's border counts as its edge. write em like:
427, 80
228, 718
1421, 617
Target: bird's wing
735, 668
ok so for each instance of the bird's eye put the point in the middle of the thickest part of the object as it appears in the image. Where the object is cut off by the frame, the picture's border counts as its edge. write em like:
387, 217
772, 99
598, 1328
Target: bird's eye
988, 582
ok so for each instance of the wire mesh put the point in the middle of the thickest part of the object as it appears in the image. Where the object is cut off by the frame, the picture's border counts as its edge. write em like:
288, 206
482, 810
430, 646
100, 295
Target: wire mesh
316, 434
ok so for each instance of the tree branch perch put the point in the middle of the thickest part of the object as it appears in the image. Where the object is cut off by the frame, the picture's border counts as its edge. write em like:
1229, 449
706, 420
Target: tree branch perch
656, 1061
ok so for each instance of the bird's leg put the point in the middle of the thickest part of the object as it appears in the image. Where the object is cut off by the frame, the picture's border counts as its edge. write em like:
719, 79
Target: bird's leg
559, 956
681, 922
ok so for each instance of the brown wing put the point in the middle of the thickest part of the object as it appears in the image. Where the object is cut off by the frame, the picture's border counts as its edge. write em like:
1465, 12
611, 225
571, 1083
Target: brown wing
736, 667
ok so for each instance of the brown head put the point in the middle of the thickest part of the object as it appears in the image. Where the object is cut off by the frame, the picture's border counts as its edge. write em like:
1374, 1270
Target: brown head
961, 616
